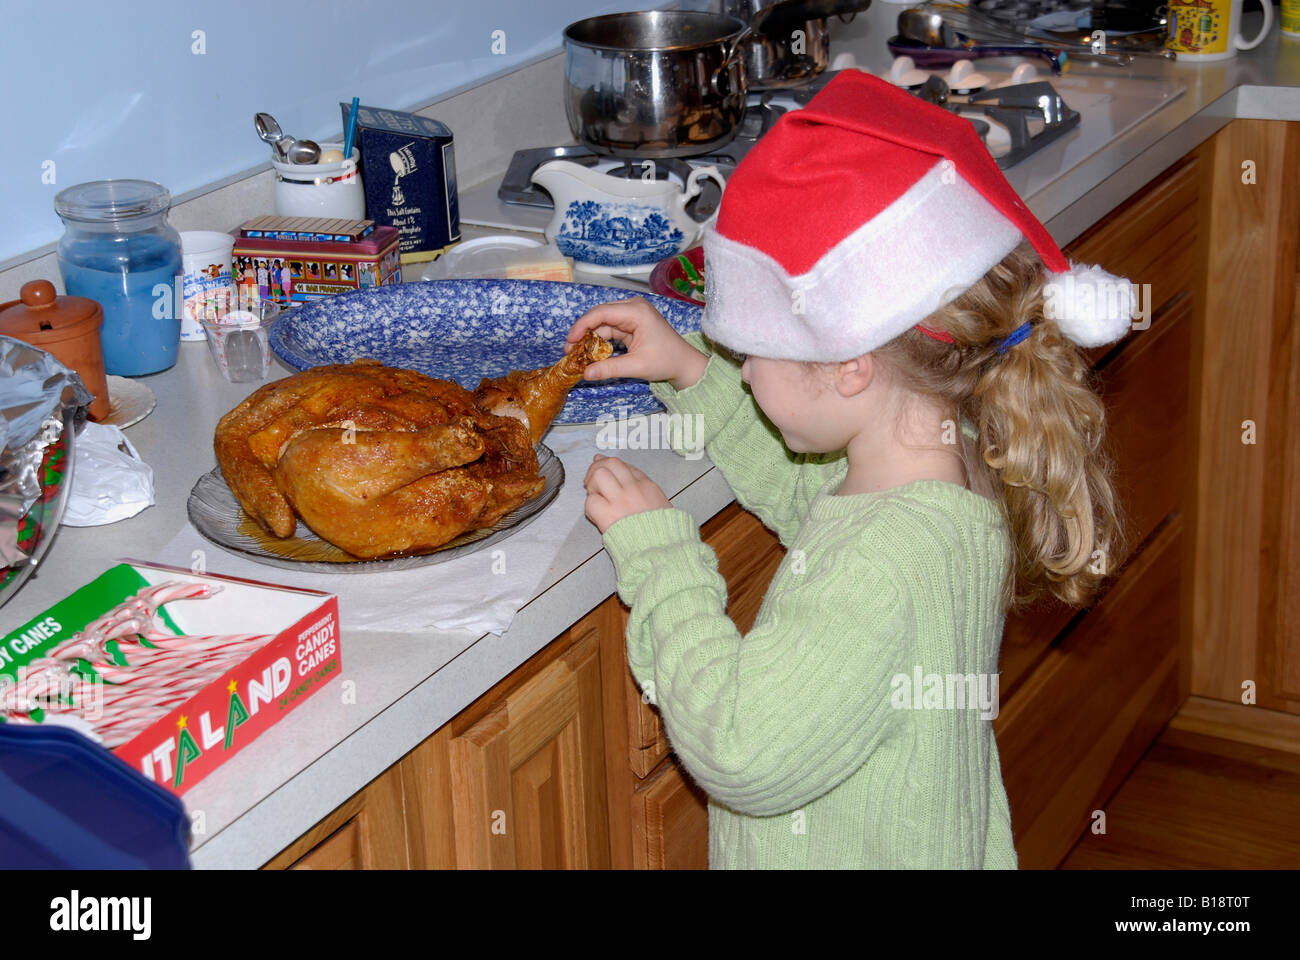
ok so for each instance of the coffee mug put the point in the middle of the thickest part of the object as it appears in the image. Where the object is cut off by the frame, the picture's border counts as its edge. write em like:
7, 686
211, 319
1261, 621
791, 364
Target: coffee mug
1203, 30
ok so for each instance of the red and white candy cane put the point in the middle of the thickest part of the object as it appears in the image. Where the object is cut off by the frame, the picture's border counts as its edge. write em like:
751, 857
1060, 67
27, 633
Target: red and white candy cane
125, 681
244, 642
137, 612
150, 663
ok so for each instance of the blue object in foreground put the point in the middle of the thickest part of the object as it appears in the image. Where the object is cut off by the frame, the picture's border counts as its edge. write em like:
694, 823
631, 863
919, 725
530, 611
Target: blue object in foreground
68, 803
465, 330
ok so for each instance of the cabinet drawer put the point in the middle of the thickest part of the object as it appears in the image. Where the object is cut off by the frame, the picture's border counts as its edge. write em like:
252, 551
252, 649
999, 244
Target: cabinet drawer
1086, 714
1145, 390
670, 817
1151, 238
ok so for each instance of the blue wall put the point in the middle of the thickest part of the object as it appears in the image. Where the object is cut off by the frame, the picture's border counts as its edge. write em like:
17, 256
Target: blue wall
106, 89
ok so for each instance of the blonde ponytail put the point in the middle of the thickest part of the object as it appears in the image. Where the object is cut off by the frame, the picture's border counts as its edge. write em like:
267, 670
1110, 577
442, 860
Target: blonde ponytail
1041, 428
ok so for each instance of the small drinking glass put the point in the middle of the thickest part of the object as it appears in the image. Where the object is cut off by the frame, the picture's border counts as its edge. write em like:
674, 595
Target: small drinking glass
240, 341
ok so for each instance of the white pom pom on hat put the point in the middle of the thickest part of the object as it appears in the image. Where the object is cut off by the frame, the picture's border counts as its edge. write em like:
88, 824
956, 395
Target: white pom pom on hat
858, 216
1089, 305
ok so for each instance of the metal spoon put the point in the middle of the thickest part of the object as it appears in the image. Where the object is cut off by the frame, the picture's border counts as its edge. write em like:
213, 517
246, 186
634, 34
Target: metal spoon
304, 151
925, 27
932, 30
269, 131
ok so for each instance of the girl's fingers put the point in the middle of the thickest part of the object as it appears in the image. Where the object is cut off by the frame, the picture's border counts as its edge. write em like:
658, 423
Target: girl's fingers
596, 470
619, 469
615, 320
603, 483
599, 320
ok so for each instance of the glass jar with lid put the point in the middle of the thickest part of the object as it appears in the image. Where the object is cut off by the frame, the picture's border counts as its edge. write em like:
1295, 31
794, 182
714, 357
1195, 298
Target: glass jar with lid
119, 250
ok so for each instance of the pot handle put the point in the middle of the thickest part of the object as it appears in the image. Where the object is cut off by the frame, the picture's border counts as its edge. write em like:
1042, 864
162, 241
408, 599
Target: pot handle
693, 188
717, 82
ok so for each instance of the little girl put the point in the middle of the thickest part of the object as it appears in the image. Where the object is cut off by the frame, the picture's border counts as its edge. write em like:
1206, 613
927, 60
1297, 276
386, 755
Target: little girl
901, 398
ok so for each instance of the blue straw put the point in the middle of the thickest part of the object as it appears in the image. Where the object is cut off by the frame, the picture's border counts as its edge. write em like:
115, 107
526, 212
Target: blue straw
352, 128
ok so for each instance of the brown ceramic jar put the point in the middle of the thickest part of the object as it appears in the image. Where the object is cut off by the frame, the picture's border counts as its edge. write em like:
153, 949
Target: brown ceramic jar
67, 327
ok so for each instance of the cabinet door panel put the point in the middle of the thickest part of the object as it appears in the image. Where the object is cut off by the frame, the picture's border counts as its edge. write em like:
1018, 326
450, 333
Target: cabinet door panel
528, 779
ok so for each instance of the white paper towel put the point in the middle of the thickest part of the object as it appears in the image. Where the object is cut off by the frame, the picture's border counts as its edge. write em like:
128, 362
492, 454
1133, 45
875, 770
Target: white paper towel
481, 591
109, 483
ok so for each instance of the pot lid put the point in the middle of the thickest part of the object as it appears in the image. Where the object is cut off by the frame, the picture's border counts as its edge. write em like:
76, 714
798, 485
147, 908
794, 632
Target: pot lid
40, 315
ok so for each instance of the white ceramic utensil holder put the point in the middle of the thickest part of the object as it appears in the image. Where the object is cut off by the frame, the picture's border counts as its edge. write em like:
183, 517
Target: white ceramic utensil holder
321, 189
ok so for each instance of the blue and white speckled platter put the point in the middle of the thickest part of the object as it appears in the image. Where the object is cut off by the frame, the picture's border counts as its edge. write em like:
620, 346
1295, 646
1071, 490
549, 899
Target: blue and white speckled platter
464, 330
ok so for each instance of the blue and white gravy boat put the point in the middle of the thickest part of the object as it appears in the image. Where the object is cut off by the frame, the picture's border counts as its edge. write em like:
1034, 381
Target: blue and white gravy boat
617, 226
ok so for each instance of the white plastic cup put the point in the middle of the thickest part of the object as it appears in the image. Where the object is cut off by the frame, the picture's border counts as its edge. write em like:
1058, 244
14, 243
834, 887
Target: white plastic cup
321, 189
208, 268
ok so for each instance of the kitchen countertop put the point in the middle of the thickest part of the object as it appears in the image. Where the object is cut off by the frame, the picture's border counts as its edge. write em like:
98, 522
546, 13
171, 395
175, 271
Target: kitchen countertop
408, 685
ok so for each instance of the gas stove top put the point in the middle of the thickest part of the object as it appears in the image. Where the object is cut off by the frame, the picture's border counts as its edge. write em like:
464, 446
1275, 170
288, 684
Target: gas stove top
1028, 115
1022, 111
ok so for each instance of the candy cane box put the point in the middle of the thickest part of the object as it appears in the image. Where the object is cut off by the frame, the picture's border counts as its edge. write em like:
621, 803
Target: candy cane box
194, 737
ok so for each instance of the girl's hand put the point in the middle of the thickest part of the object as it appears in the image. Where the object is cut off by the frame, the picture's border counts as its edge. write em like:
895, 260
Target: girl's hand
655, 351
616, 490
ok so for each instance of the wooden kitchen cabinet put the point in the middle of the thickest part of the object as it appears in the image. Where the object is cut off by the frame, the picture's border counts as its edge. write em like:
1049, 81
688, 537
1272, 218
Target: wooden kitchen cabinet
1246, 593
517, 780
366, 833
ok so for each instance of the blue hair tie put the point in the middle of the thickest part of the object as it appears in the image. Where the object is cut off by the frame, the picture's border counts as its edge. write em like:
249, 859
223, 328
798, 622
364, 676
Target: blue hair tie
1017, 335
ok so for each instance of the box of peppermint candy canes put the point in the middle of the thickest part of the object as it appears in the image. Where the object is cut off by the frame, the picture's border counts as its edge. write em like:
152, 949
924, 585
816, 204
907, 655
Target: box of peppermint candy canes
174, 671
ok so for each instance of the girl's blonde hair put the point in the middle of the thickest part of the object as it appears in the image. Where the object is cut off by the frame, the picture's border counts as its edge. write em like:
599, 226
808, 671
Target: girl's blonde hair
1041, 426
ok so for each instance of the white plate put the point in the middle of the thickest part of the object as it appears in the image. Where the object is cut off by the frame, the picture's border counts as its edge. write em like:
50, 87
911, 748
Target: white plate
451, 260
129, 401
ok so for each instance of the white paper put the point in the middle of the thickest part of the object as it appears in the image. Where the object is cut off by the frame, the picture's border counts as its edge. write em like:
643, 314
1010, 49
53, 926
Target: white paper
108, 483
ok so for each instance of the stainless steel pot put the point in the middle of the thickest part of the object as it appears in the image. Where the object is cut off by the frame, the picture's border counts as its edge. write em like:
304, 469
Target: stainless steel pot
774, 62
658, 83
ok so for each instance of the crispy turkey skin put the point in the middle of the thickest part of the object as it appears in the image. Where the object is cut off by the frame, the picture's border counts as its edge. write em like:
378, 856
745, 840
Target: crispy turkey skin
381, 461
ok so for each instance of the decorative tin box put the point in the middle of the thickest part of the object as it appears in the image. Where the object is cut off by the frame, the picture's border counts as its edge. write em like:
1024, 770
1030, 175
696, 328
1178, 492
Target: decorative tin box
409, 170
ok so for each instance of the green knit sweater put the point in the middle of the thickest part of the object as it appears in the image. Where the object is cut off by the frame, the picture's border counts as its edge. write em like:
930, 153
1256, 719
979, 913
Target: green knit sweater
820, 736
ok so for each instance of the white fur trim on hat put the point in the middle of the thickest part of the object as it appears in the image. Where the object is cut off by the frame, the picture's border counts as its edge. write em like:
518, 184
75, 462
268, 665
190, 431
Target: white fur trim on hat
920, 253
1089, 305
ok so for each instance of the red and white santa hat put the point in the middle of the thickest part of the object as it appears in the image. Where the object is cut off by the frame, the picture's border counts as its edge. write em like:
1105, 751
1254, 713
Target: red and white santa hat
858, 216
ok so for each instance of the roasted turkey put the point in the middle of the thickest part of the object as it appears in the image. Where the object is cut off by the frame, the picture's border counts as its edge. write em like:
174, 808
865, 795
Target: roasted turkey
381, 461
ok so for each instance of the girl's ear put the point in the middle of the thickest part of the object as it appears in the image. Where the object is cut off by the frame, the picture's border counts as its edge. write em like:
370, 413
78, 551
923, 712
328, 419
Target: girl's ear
855, 375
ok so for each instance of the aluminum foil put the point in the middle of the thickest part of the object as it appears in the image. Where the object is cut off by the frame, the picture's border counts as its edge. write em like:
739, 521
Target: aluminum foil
39, 399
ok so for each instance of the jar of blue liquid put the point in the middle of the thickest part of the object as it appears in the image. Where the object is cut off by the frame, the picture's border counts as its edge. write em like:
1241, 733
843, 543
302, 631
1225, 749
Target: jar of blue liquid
119, 250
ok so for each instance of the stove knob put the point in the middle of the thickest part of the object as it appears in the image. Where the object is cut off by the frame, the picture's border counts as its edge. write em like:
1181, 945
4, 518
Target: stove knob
903, 73
1025, 73
962, 78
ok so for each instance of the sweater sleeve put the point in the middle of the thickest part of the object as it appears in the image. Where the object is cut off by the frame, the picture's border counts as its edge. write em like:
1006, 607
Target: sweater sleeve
766, 477
767, 722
